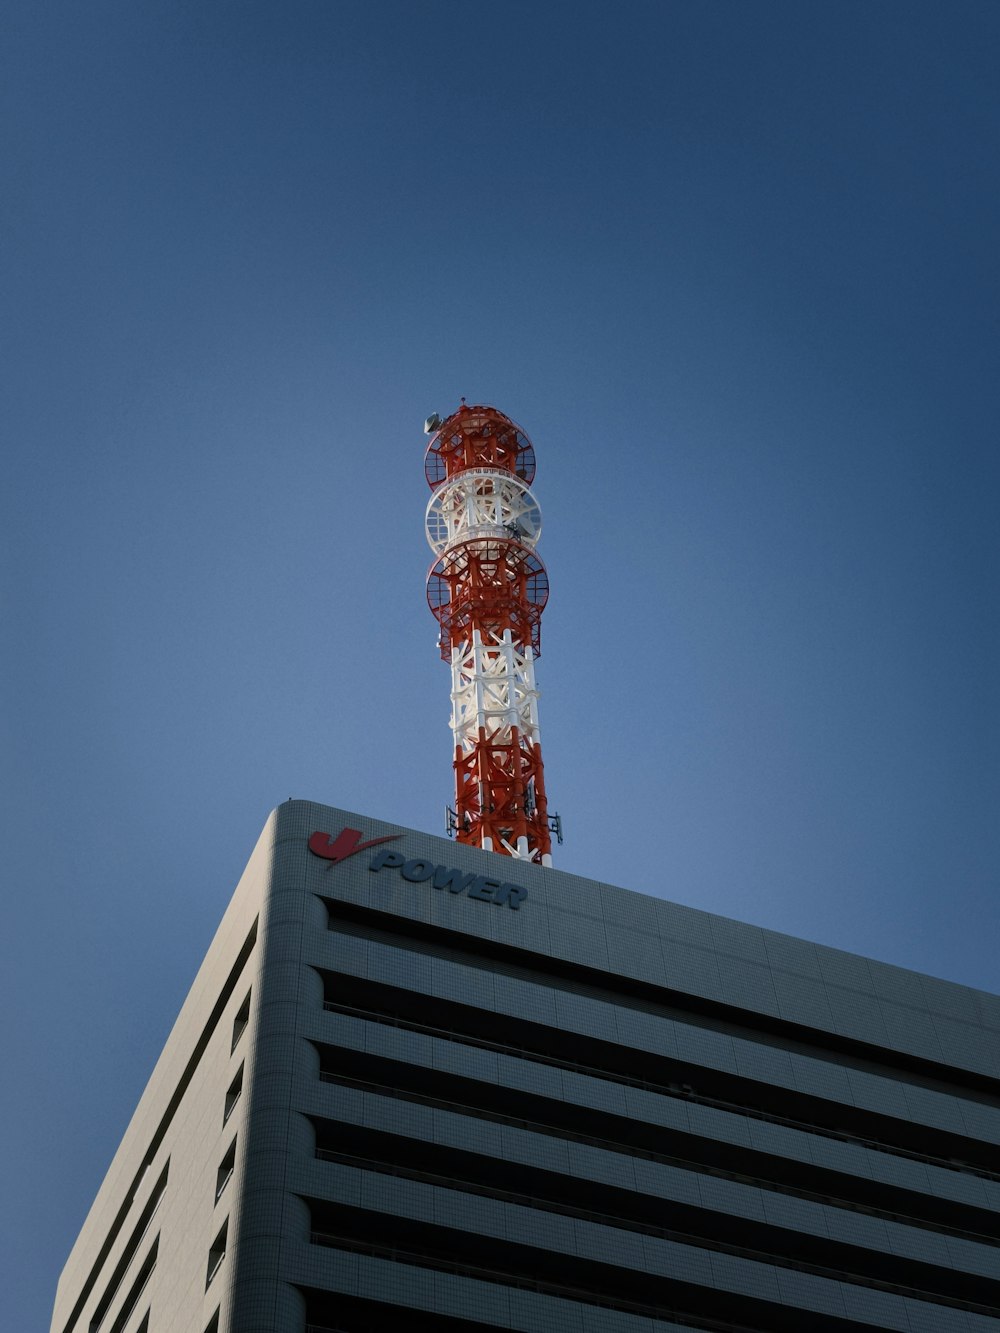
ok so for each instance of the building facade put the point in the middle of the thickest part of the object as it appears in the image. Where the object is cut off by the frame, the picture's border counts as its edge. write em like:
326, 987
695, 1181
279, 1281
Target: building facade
416, 1085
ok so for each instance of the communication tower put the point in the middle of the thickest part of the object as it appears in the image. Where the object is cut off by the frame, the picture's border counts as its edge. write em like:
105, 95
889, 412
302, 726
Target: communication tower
487, 588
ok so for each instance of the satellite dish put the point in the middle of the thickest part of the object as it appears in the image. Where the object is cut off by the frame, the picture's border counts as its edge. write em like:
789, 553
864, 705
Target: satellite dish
432, 423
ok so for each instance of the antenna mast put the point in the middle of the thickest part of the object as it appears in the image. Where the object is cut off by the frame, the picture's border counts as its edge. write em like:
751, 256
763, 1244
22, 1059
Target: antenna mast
487, 588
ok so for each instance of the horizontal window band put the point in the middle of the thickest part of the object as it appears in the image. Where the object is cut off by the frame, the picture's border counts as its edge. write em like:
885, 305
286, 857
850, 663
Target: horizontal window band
589, 1281
647, 997
578, 1053
338, 1312
602, 1129
593, 1201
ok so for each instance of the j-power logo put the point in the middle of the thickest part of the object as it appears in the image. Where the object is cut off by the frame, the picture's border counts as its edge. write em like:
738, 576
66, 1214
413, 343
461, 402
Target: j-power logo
345, 844
348, 843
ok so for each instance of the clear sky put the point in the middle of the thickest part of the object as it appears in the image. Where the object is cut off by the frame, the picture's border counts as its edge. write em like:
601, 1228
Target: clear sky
733, 266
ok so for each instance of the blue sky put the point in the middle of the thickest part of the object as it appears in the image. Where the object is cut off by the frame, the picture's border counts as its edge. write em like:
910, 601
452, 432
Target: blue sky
734, 268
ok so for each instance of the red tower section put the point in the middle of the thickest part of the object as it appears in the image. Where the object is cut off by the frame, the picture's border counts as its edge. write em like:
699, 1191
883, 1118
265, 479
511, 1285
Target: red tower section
488, 588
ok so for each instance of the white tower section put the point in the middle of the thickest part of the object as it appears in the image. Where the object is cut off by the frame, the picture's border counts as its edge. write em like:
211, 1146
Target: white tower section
482, 502
494, 697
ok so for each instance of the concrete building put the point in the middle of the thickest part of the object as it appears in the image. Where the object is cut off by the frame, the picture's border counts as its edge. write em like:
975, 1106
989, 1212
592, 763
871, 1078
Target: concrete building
419, 1086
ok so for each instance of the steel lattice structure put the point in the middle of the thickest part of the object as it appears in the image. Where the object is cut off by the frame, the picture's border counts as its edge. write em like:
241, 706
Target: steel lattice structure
487, 589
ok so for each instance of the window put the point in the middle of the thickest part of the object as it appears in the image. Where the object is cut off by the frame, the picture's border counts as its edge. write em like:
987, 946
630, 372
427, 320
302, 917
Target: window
226, 1168
233, 1095
131, 1249
132, 1299
240, 1021
217, 1253
213, 1323
219, 1009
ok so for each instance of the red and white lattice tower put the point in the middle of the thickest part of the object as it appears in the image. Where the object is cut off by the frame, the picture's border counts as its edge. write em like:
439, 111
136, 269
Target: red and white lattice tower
488, 588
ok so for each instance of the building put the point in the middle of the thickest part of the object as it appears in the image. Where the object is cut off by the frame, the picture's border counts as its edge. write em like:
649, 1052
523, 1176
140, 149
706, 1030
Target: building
417, 1086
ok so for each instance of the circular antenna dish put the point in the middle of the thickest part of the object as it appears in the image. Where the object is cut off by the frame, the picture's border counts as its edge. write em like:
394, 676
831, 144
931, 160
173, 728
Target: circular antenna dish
432, 423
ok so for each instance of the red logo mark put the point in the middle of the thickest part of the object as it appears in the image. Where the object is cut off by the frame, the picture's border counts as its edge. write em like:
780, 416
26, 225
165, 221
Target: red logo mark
347, 842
